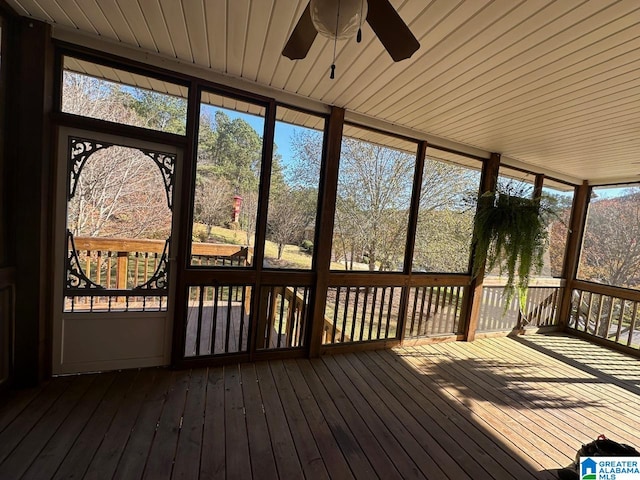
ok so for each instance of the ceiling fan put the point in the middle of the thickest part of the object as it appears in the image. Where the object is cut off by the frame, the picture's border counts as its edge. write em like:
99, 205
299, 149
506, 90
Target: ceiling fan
343, 18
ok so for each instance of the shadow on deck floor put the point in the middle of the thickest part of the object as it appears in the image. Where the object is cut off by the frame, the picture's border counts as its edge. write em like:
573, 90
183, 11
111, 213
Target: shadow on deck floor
503, 408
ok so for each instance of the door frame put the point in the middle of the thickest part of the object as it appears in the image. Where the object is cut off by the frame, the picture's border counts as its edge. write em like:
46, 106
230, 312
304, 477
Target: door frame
74, 325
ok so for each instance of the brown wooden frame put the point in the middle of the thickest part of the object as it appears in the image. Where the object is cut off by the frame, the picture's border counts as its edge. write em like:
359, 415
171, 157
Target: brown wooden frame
46, 82
473, 299
572, 252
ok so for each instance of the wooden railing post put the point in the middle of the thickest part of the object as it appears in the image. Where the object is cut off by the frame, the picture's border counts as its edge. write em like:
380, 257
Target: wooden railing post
473, 299
414, 211
263, 316
572, 253
121, 270
328, 188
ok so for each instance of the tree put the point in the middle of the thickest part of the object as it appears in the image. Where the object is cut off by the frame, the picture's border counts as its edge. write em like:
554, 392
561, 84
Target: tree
611, 250
95, 98
443, 241
248, 216
120, 191
448, 198
230, 155
159, 111
374, 193
287, 218
374, 189
213, 202
558, 229
231, 149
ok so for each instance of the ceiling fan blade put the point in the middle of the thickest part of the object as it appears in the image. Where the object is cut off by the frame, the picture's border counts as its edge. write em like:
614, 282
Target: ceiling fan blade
301, 38
391, 30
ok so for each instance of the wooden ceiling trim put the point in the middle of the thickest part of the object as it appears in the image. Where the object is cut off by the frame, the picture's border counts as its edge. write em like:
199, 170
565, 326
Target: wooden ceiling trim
544, 169
78, 18
580, 124
432, 140
596, 143
118, 23
577, 121
93, 10
566, 102
256, 34
32, 7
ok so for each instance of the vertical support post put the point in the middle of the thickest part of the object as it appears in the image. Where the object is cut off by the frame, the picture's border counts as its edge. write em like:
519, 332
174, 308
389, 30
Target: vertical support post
122, 266
473, 299
29, 156
322, 245
256, 332
414, 210
262, 317
537, 186
572, 254
182, 253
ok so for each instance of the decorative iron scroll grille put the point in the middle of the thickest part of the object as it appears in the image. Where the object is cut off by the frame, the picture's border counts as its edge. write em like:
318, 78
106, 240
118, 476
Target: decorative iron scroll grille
83, 286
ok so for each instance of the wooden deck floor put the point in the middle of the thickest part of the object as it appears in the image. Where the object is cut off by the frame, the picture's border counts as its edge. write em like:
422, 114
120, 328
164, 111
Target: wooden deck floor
496, 408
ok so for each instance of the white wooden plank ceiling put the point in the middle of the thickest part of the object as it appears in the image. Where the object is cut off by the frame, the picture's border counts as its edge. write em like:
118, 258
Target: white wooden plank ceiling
552, 84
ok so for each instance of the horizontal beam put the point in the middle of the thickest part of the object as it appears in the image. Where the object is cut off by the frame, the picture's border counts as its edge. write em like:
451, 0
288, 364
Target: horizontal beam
609, 290
152, 246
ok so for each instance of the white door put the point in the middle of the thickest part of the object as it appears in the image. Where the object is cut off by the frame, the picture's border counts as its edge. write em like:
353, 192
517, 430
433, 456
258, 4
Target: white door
115, 218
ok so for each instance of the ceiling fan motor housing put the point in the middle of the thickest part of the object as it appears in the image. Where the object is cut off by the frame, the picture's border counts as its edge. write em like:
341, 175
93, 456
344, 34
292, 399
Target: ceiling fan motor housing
339, 19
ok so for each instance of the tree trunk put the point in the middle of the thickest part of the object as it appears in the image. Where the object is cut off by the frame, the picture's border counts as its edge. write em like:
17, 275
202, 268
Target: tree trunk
372, 261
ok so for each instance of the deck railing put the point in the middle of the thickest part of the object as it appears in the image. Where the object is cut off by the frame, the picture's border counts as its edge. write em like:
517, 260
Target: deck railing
359, 308
434, 310
361, 313
283, 317
122, 265
605, 312
217, 320
541, 308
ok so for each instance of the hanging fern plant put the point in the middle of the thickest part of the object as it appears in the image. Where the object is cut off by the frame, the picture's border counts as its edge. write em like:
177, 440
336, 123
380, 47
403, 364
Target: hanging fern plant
510, 234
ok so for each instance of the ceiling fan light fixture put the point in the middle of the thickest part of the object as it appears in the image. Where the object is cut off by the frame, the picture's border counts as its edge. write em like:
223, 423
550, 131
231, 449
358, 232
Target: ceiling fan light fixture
338, 19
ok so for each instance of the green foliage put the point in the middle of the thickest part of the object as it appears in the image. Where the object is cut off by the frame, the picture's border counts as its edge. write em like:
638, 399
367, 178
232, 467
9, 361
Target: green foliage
510, 233
159, 111
443, 240
229, 163
307, 246
230, 149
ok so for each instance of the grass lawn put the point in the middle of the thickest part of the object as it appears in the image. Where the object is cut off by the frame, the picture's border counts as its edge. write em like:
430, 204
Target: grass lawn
292, 257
